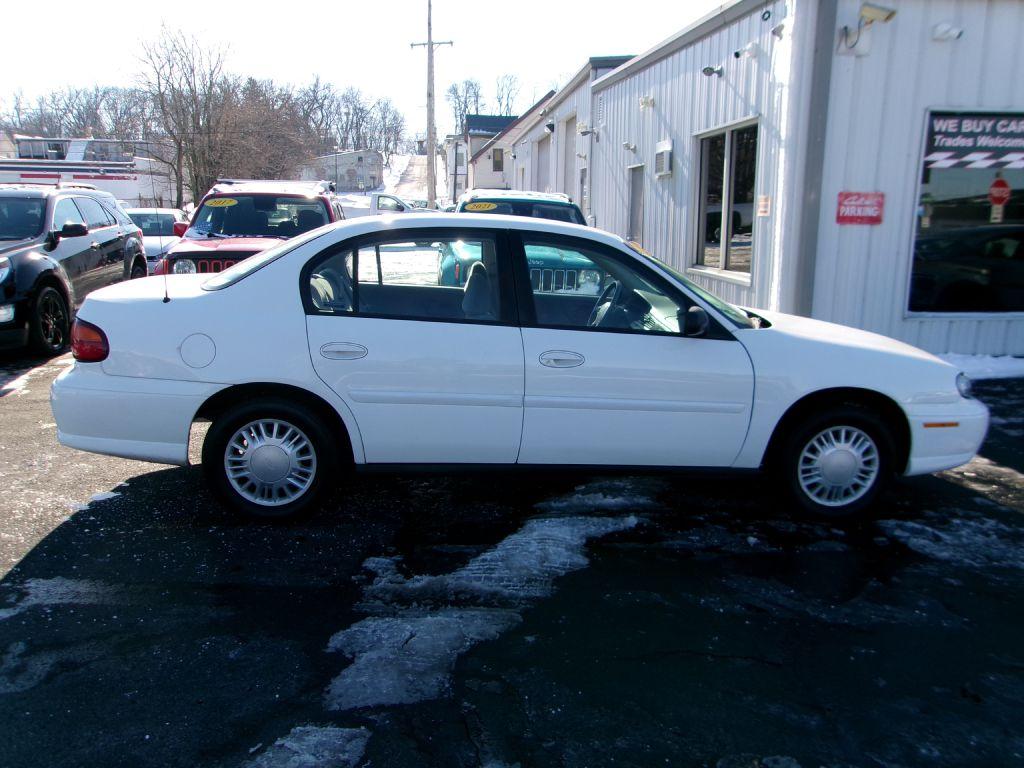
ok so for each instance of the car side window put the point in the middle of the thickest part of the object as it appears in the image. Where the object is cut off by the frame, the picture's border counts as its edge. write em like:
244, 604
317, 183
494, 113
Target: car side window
66, 212
94, 214
577, 287
388, 204
454, 279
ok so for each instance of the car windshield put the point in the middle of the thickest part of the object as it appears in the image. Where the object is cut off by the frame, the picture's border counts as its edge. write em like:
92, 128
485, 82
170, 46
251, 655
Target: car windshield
732, 312
555, 211
21, 217
255, 215
154, 224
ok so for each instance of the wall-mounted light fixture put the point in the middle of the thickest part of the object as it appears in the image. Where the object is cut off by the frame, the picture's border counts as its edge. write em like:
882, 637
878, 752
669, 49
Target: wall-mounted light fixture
646, 102
778, 29
549, 126
871, 12
628, 146
583, 129
749, 50
709, 71
946, 31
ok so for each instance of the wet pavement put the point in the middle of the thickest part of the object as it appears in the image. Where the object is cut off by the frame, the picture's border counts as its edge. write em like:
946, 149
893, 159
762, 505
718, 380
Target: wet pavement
499, 621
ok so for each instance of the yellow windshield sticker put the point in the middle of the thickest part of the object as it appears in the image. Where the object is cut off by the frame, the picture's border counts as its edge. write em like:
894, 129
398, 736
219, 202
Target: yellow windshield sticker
222, 202
481, 206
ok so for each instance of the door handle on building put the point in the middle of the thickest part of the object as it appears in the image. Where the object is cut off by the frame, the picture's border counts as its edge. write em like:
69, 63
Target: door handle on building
557, 358
343, 350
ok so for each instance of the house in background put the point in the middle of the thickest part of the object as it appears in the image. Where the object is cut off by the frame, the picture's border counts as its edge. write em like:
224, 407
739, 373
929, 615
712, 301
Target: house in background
352, 171
491, 166
480, 129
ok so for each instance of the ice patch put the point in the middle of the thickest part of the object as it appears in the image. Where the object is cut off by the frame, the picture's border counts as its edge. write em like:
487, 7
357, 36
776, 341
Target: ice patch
61, 591
605, 495
406, 654
406, 659
975, 543
311, 746
522, 567
987, 366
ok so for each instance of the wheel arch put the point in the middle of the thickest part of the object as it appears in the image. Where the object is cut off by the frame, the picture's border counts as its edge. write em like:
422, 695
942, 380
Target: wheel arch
223, 399
887, 409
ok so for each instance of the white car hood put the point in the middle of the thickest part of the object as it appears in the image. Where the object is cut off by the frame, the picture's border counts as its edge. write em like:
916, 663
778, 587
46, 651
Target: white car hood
157, 245
840, 335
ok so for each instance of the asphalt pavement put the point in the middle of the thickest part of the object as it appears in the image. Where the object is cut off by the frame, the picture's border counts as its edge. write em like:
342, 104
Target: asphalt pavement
546, 620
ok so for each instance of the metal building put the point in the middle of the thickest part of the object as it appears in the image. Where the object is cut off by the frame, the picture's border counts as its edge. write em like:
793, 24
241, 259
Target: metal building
853, 162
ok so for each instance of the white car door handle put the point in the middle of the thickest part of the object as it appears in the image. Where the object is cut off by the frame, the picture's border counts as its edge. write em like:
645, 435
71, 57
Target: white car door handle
343, 350
557, 358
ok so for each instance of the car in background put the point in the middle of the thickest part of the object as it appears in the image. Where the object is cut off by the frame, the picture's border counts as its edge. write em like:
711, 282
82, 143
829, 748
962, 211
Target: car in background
539, 205
238, 218
968, 269
352, 356
57, 244
157, 225
376, 204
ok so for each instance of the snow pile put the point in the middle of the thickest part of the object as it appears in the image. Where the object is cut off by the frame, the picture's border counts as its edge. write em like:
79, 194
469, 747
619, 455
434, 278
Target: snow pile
974, 543
987, 366
406, 653
311, 746
607, 495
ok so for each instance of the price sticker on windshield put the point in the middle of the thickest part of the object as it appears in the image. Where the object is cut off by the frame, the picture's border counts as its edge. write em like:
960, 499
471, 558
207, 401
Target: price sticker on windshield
221, 202
481, 206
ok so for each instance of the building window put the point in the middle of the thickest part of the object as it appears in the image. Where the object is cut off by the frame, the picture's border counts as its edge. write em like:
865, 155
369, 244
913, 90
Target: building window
728, 171
969, 237
498, 161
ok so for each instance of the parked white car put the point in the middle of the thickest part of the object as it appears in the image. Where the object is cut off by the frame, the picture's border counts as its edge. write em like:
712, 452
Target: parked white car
341, 346
157, 225
376, 203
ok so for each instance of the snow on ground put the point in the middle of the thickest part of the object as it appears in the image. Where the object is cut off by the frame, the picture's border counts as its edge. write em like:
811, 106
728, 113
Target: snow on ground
987, 366
605, 495
393, 174
405, 651
312, 746
974, 542
61, 591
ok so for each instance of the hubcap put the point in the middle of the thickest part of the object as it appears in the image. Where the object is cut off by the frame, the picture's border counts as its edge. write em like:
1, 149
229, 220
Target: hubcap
838, 466
270, 462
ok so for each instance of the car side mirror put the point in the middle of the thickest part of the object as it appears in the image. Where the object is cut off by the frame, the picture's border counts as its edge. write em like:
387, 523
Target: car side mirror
72, 229
695, 322
179, 228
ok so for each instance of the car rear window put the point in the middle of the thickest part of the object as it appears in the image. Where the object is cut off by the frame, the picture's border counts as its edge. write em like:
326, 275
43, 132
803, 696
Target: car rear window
249, 215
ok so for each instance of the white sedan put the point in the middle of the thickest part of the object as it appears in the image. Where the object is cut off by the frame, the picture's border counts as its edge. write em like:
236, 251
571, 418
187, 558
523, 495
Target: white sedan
343, 347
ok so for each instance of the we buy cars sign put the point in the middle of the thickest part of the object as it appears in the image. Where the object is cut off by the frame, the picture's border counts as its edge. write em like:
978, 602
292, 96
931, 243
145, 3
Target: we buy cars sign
860, 208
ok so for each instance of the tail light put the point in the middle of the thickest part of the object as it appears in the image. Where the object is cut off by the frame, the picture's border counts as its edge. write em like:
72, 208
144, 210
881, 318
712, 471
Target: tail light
88, 342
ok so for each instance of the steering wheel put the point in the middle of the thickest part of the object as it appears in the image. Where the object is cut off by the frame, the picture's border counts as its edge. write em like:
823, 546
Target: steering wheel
609, 297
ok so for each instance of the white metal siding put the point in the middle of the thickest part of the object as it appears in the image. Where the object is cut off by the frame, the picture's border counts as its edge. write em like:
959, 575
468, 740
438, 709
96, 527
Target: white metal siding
875, 134
686, 104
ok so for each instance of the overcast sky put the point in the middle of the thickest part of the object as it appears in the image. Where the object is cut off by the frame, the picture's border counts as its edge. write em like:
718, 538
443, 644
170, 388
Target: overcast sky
364, 44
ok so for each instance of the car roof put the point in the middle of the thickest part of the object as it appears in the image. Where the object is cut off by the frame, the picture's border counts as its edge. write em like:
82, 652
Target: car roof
19, 189
361, 225
558, 198
152, 210
269, 187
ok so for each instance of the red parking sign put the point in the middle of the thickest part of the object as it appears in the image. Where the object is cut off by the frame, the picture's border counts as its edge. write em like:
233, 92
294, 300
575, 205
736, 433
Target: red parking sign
860, 208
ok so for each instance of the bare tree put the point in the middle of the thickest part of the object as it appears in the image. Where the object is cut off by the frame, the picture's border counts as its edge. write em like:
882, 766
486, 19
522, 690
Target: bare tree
465, 98
506, 92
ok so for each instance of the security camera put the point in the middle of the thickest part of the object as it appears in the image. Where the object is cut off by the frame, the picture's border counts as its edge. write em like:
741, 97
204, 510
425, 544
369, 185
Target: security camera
749, 50
870, 12
709, 71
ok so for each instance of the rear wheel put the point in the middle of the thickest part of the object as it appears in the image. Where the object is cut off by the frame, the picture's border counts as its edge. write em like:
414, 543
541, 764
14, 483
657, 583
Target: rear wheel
49, 322
835, 464
269, 458
138, 269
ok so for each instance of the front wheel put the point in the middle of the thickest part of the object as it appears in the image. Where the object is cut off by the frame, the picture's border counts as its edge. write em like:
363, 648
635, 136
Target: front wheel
269, 458
49, 322
837, 463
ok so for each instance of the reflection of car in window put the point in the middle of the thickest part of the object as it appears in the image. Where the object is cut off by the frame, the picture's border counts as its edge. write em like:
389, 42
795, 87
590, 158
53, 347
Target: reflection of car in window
969, 269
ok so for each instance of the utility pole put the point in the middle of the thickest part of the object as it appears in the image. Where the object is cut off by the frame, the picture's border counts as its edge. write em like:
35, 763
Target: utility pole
431, 130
